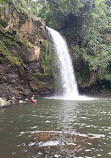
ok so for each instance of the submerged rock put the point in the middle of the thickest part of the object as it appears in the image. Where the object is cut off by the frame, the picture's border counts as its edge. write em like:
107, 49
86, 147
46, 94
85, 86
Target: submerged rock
22, 102
64, 143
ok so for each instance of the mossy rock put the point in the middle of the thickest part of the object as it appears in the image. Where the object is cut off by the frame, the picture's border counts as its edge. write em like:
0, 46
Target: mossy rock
42, 87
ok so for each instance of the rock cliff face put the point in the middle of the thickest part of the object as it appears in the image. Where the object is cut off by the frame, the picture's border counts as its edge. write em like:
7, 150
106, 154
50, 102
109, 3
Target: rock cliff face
22, 40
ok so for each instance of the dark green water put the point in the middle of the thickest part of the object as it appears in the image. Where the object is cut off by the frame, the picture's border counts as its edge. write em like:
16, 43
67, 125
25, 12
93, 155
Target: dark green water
56, 128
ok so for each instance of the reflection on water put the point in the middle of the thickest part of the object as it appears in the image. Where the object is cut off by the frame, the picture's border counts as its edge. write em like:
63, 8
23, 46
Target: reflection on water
56, 128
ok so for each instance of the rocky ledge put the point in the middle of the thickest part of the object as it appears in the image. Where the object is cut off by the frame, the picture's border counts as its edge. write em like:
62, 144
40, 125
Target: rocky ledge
22, 42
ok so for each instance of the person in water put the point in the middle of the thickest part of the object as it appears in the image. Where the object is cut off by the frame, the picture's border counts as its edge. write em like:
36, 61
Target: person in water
33, 100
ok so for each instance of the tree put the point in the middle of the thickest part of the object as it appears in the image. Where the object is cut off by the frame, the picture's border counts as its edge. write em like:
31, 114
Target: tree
94, 51
84, 24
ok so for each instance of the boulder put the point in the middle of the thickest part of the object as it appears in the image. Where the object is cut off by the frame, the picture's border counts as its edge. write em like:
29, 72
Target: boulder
3, 103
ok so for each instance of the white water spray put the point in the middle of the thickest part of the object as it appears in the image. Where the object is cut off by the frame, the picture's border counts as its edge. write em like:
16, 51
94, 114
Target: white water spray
69, 85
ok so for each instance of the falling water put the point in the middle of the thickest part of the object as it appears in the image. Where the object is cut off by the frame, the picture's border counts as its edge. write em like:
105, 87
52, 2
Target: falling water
69, 85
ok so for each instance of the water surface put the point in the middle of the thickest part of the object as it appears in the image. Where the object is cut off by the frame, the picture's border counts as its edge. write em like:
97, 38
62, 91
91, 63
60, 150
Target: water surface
56, 128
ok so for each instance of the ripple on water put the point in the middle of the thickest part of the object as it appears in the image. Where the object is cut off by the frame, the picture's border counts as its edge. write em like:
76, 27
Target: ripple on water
65, 143
34, 127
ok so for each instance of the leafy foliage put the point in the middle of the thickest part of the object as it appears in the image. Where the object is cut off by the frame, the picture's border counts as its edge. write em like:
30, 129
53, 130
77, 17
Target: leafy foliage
93, 49
85, 25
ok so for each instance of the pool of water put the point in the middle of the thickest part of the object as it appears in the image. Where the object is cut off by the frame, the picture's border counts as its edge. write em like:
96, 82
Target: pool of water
56, 129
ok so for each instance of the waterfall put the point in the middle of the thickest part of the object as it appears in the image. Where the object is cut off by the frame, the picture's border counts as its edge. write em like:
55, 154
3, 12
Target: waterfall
69, 85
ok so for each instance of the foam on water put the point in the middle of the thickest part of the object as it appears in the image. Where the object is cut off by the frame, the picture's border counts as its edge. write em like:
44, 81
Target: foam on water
76, 98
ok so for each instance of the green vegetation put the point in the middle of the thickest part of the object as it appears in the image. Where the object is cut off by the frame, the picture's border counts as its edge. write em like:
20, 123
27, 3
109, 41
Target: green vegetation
9, 40
6, 43
93, 50
44, 77
16, 51
47, 60
86, 26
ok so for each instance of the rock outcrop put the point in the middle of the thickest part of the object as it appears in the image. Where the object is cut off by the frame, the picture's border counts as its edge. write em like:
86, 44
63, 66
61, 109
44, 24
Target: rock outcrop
22, 40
